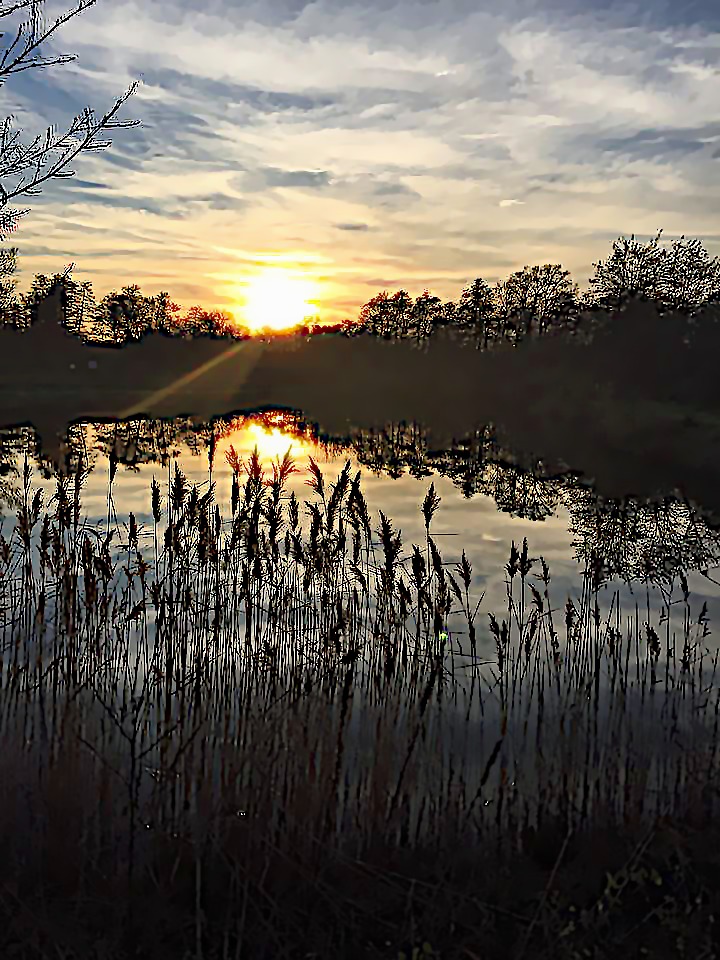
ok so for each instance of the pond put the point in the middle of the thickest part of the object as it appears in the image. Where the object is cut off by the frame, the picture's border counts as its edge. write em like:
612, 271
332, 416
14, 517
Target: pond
641, 550
613, 586
644, 546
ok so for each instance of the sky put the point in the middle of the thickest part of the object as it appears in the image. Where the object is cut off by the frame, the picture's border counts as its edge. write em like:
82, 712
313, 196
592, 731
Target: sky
327, 151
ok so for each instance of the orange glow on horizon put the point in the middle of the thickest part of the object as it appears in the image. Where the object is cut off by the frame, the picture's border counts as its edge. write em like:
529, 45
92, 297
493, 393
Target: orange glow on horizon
278, 299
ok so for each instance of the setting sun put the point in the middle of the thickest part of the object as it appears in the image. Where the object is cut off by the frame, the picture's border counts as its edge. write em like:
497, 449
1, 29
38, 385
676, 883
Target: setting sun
278, 300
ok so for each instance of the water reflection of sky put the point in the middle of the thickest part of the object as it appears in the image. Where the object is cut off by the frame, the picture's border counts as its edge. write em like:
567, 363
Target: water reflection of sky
474, 525
485, 533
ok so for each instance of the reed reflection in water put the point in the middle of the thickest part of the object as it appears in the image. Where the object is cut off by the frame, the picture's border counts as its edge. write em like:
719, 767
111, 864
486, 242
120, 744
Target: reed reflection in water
231, 609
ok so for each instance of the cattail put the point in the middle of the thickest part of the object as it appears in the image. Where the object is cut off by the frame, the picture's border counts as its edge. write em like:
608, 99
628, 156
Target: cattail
156, 501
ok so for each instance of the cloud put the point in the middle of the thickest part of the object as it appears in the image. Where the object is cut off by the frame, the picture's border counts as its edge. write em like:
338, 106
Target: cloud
359, 227
296, 123
295, 178
659, 144
389, 190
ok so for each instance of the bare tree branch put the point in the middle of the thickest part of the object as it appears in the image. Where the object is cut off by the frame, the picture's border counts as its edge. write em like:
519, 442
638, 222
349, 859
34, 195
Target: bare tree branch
16, 158
35, 42
86, 118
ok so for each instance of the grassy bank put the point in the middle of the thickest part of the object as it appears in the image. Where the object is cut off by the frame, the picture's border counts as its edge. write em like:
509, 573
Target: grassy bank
226, 739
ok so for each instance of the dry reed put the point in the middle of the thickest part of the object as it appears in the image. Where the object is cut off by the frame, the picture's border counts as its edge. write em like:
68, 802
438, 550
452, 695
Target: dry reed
208, 720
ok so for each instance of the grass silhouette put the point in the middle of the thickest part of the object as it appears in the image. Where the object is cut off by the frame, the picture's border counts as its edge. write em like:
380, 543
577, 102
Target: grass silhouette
222, 740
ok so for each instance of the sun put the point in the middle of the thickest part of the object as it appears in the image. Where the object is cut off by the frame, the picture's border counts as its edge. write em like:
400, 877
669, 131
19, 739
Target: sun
278, 300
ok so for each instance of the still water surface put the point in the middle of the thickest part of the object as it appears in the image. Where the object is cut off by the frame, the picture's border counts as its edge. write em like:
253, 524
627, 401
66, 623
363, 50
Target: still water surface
671, 536
475, 524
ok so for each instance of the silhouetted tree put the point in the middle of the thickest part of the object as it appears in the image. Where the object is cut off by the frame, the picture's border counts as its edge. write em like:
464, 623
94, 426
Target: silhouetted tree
203, 323
127, 312
506, 309
400, 313
22, 312
633, 269
692, 278
162, 313
385, 315
536, 294
475, 311
223, 324
9, 307
375, 314
119, 316
80, 314
446, 315
350, 327
425, 314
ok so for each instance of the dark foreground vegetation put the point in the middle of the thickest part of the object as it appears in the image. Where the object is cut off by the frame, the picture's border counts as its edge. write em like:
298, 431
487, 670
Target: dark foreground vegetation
223, 739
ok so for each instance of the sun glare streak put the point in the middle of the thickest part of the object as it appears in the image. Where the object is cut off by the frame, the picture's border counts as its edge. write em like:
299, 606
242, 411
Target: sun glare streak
278, 299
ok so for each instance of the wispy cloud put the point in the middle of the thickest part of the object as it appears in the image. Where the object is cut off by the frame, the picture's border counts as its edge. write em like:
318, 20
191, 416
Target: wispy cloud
360, 227
442, 142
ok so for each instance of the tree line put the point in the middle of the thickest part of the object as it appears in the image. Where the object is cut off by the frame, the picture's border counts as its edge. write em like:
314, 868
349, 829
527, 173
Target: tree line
538, 299
531, 301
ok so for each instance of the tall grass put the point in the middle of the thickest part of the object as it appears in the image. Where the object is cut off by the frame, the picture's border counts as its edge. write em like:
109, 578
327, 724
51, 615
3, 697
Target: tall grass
226, 739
